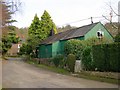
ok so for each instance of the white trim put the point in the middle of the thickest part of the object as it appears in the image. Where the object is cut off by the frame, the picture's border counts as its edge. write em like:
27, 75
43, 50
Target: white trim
101, 33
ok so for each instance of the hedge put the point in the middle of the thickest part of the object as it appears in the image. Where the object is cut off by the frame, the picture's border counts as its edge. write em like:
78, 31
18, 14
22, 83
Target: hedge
76, 47
87, 61
106, 57
101, 55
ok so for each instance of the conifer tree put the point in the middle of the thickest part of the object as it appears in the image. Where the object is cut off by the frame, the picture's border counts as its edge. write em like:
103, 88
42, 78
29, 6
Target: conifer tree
39, 30
35, 25
47, 24
8, 35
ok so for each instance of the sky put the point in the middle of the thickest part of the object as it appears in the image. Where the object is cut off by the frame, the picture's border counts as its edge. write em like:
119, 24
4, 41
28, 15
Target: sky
66, 12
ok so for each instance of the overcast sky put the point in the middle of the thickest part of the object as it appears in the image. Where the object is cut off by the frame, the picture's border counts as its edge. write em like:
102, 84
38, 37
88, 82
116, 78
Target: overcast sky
65, 12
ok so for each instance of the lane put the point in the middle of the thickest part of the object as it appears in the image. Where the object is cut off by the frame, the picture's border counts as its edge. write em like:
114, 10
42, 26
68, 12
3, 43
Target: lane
17, 74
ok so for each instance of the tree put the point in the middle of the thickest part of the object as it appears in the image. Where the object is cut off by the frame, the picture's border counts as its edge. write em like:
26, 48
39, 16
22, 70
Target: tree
12, 35
25, 49
38, 31
65, 28
35, 25
7, 40
112, 13
34, 35
9, 7
6, 44
42, 28
47, 25
5, 13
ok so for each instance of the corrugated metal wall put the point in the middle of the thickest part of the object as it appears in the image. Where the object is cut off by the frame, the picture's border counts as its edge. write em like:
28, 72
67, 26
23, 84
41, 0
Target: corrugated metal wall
45, 51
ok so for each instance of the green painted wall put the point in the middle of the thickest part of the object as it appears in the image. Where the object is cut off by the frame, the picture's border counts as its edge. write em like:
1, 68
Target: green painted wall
51, 50
62, 44
41, 51
80, 38
55, 48
45, 51
93, 32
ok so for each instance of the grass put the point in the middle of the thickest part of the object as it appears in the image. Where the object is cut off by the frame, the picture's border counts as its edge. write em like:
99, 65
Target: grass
98, 78
51, 68
4, 58
13, 56
54, 69
80, 75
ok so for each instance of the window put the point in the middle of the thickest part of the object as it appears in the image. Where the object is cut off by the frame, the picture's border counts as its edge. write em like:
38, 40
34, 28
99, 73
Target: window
100, 34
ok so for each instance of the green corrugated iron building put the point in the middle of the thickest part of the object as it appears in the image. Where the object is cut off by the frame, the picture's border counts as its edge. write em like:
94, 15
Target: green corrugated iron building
54, 45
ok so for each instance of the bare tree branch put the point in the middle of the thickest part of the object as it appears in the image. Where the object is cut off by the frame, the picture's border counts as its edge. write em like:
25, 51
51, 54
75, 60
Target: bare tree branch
116, 27
14, 6
113, 11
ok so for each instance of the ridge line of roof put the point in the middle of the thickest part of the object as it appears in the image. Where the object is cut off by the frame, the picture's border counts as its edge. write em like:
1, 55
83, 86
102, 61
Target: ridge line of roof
79, 27
93, 26
68, 34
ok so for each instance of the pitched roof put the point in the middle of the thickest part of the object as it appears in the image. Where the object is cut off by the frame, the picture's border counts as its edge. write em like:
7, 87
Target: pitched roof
69, 34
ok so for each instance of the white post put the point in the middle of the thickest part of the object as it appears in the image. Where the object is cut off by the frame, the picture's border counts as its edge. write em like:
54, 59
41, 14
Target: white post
78, 66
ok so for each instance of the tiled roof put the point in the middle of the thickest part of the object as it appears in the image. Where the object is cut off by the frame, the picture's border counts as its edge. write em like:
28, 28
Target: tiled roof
69, 34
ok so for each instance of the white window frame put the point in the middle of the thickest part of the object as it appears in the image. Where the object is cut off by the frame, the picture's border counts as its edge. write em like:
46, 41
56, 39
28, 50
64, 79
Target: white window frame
101, 33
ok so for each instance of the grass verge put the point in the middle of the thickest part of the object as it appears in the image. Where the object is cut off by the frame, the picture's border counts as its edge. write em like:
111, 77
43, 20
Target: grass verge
80, 75
51, 68
98, 78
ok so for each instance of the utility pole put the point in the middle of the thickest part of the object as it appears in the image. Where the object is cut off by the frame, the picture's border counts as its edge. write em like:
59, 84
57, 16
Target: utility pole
111, 15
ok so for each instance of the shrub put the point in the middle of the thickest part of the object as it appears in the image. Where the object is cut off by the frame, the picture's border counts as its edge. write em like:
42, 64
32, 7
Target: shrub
58, 60
74, 47
71, 62
25, 49
63, 63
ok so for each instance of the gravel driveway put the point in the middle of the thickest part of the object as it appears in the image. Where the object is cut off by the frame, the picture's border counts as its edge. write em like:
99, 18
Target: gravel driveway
18, 74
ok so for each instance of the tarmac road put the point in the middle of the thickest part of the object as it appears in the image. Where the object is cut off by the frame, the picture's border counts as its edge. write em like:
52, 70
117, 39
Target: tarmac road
18, 74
